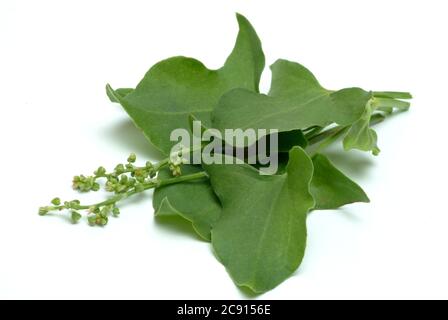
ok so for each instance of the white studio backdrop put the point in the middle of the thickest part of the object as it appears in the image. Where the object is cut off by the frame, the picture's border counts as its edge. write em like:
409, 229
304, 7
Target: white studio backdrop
56, 121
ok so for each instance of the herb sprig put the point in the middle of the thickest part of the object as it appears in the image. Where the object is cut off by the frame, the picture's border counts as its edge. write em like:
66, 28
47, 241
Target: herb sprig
256, 223
125, 181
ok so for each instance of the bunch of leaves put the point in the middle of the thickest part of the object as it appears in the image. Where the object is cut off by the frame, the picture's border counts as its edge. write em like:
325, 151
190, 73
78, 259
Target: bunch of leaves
256, 223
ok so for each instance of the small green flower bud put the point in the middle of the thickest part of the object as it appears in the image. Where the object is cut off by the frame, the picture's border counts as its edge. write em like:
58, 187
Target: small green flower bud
101, 171
129, 166
72, 204
139, 187
116, 212
101, 221
105, 211
139, 172
124, 179
175, 170
110, 187
149, 165
76, 216
94, 209
119, 188
96, 186
132, 158
76, 182
56, 201
112, 179
91, 219
119, 169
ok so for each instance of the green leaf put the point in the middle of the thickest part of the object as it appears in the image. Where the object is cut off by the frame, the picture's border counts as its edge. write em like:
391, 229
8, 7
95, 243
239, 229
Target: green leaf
178, 87
390, 103
332, 189
261, 235
360, 136
122, 92
196, 201
193, 200
296, 101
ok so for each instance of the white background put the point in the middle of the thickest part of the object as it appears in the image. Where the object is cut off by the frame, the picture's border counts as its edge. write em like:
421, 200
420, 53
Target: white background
56, 121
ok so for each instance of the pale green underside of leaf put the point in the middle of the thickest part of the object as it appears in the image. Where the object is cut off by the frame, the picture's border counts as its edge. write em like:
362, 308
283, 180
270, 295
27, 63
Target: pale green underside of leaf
360, 136
194, 201
177, 87
332, 189
261, 235
296, 101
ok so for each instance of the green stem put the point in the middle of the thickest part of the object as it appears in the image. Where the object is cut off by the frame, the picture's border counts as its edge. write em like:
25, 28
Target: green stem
392, 95
324, 135
331, 139
130, 193
162, 164
193, 176
314, 131
375, 119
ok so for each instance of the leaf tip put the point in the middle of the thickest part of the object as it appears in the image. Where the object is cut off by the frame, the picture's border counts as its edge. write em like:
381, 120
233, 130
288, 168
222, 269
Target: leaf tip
111, 93
240, 18
244, 24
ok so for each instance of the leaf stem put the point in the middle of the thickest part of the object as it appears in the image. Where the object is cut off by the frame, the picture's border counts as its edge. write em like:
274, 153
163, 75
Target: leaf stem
329, 133
193, 176
162, 164
392, 95
313, 131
